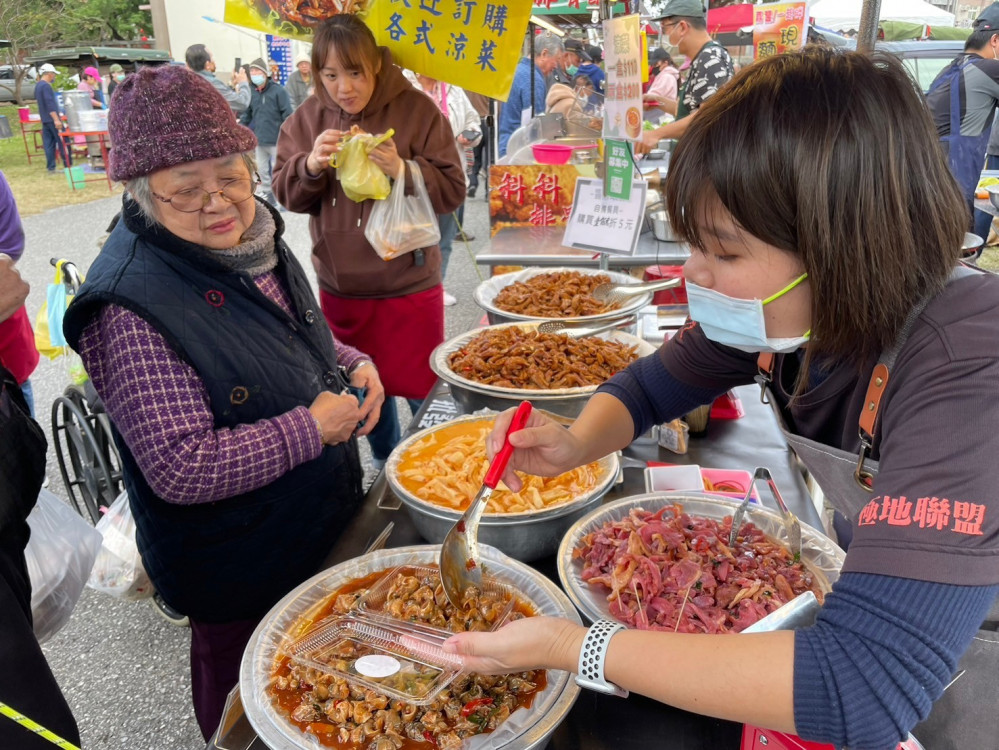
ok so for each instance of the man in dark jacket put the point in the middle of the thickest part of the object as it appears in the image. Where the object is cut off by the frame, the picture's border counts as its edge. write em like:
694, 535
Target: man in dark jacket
269, 107
52, 124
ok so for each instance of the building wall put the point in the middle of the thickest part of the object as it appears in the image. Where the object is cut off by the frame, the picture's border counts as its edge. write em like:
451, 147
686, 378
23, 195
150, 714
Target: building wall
187, 25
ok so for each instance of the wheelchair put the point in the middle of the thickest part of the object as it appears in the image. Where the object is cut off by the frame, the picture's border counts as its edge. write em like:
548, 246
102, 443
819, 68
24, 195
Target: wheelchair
88, 458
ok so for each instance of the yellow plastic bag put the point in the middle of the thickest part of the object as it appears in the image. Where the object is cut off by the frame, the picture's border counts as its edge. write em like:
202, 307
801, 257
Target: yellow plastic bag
360, 177
45, 343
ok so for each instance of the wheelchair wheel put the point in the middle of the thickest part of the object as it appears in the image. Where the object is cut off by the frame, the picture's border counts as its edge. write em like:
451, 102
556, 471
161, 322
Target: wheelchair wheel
88, 459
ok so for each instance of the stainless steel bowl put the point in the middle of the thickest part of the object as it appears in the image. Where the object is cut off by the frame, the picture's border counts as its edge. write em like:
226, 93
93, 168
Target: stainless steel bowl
820, 553
993, 191
486, 292
524, 536
662, 229
472, 396
530, 730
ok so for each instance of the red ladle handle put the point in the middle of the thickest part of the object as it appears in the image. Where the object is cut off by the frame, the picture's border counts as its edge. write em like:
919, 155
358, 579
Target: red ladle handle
501, 459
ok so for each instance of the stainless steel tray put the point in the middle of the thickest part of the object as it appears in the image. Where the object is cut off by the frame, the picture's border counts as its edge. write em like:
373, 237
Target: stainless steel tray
822, 556
485, 294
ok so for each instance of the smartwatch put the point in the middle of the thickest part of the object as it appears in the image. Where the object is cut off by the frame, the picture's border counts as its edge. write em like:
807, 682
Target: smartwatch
592, 656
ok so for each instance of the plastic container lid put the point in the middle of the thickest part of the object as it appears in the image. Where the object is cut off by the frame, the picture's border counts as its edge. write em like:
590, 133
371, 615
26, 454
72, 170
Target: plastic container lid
371, 647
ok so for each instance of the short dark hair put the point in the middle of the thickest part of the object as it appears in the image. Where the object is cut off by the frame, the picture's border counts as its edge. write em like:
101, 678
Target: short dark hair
695, 22
197, 57
831, 156
352, 40
979, 38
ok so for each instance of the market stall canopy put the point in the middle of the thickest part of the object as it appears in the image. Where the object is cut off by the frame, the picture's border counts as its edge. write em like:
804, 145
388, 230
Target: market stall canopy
75, 56
843, 15
901, 30
577, 12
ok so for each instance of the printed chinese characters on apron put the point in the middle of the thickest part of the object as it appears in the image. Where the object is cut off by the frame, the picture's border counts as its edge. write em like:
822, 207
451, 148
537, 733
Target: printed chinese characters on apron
965, 717
965, 153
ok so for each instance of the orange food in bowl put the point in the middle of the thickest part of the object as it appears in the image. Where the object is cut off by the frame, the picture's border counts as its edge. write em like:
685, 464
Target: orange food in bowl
633, 122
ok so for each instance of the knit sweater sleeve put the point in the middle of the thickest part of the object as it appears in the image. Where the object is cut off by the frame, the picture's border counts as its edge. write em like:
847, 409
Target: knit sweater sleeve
160, 406
880, 653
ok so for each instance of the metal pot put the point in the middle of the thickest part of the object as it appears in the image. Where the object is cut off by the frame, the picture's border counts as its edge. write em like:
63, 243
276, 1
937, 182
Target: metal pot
525, 536
472, 396
662, 229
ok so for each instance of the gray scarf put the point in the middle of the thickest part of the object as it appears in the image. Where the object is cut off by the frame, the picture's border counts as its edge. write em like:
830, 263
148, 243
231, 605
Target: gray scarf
256, 252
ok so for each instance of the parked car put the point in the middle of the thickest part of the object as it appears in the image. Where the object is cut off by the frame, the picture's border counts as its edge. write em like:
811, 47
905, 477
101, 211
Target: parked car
7, 84
923, 59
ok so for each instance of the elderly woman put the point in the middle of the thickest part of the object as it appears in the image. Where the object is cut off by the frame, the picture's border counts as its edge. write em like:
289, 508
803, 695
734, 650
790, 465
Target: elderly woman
225, 388
395, 307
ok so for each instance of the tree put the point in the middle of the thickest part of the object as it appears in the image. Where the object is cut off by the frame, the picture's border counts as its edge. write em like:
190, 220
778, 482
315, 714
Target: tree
27, 25
101, 21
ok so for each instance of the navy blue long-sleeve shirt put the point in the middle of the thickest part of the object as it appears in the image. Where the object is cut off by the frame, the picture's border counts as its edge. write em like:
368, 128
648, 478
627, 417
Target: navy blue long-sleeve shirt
47, 102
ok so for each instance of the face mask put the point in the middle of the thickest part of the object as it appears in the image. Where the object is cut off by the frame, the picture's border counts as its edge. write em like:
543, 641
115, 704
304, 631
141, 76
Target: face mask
739, 323
571, 70
119, 77
258, 80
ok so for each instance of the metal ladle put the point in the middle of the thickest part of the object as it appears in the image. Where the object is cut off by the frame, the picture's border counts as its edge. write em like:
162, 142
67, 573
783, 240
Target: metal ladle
460, 563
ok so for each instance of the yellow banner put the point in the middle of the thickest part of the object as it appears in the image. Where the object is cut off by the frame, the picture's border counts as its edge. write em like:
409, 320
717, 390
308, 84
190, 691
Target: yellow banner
473, 44
778, 28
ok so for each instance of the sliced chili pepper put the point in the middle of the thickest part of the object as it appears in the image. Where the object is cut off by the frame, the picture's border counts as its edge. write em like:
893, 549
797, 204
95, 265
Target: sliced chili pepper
429, 737
472, 705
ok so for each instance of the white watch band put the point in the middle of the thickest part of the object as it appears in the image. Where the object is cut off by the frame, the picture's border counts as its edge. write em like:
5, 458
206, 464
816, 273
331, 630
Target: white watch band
592, 656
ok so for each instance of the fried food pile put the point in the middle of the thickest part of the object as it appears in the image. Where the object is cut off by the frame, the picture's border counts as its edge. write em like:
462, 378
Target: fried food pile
514, 357
560, 294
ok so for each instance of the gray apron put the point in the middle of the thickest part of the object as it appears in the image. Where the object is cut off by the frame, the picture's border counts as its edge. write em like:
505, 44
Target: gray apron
966, 717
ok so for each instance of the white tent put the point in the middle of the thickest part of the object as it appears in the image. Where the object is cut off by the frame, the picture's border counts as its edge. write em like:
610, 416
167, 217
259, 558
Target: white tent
843, 15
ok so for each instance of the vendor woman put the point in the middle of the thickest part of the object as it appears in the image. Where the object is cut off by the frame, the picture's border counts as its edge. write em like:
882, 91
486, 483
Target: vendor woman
225, 388
825, 229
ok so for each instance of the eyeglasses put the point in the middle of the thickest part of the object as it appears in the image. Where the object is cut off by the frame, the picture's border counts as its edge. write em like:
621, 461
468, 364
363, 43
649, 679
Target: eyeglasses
667, 26
196, 199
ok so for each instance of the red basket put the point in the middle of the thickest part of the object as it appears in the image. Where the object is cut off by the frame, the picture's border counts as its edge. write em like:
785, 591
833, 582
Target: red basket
676, 295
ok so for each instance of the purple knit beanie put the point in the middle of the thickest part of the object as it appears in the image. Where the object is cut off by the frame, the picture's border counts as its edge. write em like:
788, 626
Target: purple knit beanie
168, 115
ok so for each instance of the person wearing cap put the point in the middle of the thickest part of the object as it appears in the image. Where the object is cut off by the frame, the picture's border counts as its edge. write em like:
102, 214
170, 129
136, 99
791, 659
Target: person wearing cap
575, 55
300, 83
117, 76
684, 25
226, 390
519, 106
51, 119
589, 66
964, 121
237, 93
269, 107
665, 79
90, 81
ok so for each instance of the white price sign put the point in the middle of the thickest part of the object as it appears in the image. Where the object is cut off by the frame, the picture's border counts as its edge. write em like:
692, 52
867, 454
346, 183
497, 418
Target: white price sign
604, 224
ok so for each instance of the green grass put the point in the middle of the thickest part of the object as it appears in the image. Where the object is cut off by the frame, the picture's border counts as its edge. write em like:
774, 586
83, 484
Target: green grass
35, 189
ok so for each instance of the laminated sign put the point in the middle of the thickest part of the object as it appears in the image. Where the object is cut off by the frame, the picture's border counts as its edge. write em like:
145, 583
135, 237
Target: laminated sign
473, 44
623, 95
778, 28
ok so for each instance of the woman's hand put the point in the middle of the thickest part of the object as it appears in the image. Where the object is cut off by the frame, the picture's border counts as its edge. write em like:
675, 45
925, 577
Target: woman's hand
337, 416
366, 376
529, 643
543, 448
386, 158
327, 143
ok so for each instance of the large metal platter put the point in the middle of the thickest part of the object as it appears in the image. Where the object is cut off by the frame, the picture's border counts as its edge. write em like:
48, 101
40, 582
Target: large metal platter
823, 557
474, 396
485, 294
531, 729
526, 535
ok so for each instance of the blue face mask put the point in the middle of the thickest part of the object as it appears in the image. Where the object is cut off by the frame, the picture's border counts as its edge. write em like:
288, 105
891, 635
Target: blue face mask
258, 80
739, 323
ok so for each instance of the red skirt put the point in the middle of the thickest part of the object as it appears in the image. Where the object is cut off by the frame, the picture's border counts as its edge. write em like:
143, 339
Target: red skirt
398, 333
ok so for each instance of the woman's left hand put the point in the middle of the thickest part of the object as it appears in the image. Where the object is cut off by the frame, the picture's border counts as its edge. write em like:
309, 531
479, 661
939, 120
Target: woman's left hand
386, 158
366, 376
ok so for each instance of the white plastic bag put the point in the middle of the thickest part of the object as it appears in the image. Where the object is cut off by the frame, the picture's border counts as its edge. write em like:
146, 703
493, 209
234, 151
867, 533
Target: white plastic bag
59, 556
402, 223
118, 570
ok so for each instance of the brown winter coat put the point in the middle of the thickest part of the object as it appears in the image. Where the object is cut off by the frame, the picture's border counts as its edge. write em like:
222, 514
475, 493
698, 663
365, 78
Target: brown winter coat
345, 262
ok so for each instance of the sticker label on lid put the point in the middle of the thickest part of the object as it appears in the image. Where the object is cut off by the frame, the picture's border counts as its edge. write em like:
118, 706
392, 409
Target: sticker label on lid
377, 665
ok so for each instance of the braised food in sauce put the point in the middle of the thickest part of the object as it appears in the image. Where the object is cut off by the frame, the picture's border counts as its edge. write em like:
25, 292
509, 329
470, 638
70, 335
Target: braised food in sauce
447, 467
672, 571
514, 357
340, 715
559, 294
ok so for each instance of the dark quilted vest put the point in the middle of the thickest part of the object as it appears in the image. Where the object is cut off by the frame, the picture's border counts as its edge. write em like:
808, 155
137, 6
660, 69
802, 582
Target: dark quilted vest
234, 558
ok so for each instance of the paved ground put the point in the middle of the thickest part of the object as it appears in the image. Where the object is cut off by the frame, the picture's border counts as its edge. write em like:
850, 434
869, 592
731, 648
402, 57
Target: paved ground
123, 669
